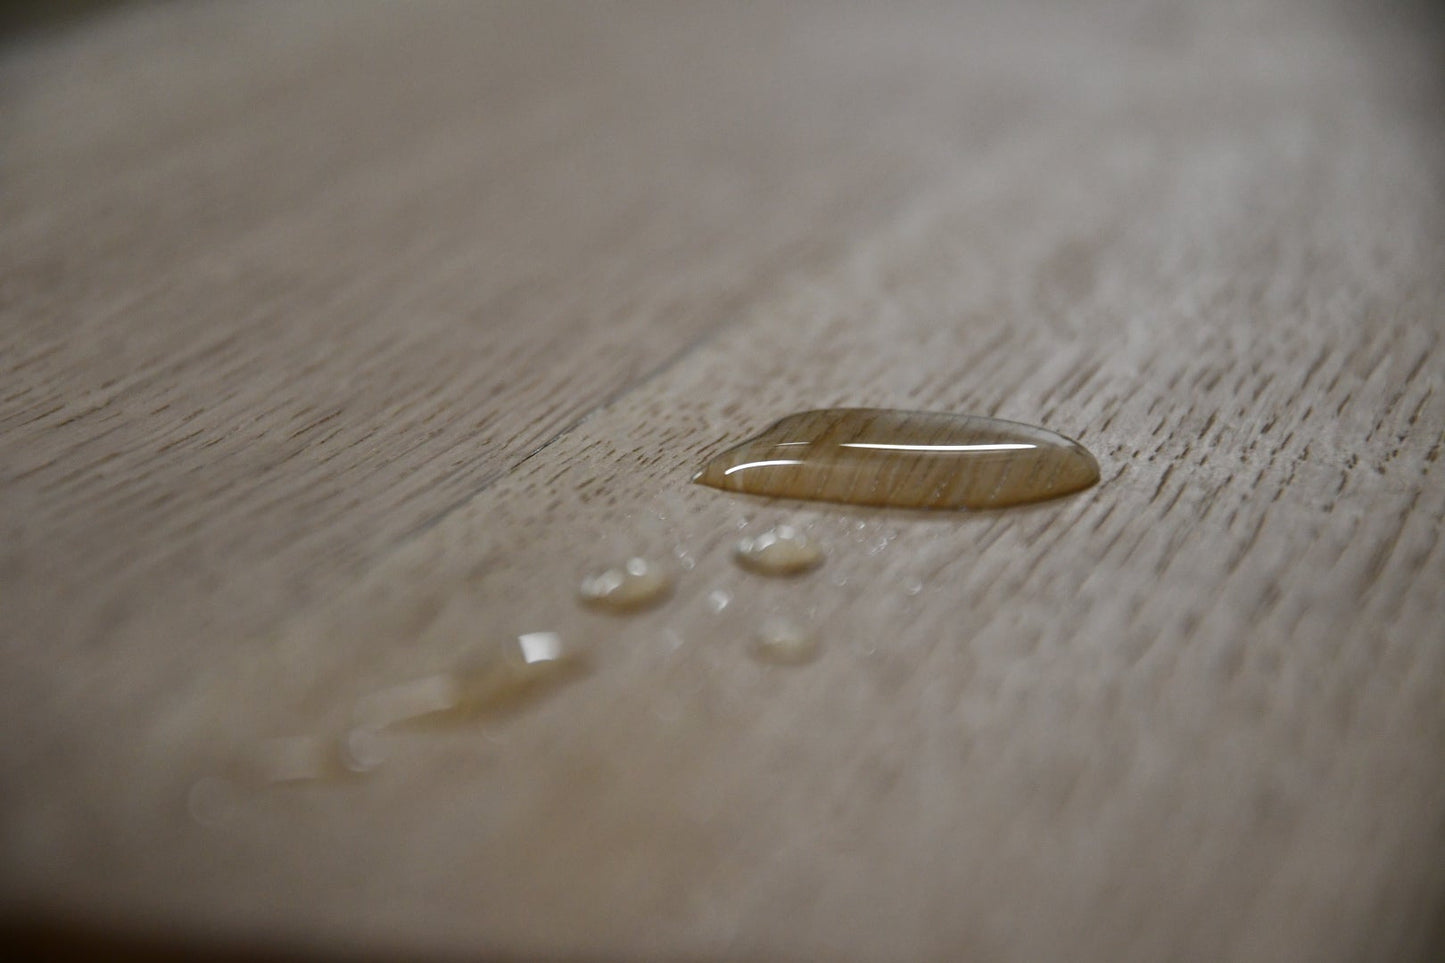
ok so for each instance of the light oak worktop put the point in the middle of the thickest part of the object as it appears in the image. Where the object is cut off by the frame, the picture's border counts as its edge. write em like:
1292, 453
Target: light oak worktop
336, 339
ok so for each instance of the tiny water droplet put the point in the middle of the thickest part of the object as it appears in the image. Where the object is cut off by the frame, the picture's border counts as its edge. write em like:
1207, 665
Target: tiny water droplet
785, 642
904, 459
912, 586
362, 750
783, 550
633, 586
718, 599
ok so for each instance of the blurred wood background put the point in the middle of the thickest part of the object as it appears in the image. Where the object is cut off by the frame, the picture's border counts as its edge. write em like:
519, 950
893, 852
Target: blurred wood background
336, 338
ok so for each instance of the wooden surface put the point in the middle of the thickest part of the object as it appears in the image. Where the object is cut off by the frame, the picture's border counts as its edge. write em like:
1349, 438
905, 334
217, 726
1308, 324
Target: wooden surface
337, 338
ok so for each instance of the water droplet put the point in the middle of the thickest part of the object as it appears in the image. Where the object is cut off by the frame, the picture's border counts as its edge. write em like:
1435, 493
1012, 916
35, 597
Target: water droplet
362, 750
634, 585
785, 642
779, 551
408, 700
718, 599
495, 679
912, 586
906, 459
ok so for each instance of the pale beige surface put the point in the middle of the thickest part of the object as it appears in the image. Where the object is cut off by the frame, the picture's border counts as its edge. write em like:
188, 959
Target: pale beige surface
283, 283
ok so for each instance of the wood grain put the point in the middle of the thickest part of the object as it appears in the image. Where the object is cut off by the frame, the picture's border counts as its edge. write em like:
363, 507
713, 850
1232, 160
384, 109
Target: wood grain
301, 319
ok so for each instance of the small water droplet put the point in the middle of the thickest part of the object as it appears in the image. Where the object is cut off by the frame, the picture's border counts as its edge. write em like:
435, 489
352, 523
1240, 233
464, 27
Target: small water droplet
905, 459
633, 586
362, 750
785, 642
783, 550
912, 586
496, 678
408, 700
718, 599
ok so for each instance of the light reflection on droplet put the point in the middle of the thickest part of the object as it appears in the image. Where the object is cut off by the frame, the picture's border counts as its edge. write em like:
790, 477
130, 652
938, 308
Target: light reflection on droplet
539, 647
719, 599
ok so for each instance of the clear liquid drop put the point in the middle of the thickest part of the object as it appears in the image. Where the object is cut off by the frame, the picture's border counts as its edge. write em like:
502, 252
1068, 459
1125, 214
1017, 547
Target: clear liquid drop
783, 550
499, 678
904, 459
719, 599
634, 586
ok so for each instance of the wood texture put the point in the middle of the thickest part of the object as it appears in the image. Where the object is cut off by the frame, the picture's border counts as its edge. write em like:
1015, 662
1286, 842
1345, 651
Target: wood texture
305, 304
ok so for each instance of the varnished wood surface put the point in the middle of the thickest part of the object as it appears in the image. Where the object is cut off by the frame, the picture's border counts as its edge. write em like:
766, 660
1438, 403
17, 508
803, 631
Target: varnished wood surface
339, 338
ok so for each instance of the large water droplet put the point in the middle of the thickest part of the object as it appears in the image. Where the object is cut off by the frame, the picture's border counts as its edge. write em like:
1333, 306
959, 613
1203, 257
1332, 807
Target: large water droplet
905, 459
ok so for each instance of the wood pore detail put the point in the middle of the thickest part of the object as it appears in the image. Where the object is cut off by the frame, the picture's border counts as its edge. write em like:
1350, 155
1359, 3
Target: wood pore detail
336, 340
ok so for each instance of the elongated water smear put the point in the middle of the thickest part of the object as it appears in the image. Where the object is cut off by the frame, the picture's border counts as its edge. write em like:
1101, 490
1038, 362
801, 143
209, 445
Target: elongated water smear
904, 459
